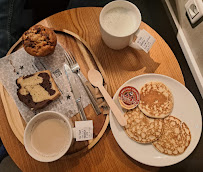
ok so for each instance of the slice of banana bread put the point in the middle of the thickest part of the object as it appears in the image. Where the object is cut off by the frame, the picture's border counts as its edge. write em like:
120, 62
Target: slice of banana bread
37, 90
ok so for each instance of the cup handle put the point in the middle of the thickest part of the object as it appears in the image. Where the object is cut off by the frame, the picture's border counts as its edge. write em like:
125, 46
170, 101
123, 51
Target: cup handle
133, 43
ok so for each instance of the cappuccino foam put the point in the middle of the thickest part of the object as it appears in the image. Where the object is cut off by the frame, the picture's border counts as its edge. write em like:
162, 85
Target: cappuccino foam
50, 136
119, 21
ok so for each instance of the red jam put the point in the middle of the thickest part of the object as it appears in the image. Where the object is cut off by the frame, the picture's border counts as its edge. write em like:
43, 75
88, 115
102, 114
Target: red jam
129, 97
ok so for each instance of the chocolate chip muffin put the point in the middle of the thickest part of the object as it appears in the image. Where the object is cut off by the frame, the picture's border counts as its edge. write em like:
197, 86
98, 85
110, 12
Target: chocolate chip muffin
39, 41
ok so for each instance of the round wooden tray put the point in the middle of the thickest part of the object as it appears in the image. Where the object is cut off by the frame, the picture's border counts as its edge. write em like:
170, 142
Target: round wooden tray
87, 60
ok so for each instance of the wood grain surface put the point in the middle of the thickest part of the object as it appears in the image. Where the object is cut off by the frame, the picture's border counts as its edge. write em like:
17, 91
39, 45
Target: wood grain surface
119, 66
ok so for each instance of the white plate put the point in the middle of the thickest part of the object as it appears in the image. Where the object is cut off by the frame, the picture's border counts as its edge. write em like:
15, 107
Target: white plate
185, 108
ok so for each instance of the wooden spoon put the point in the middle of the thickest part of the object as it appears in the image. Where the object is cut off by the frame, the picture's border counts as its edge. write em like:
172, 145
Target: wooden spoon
96, 79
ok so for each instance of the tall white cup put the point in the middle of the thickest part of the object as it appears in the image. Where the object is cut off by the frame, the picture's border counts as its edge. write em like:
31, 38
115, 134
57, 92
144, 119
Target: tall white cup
119, 24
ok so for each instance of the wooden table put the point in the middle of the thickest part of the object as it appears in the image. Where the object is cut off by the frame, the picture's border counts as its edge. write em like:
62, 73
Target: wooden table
119, 67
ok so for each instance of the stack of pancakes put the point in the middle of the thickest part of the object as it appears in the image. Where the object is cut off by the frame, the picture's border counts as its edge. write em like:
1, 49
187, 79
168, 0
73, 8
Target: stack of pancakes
150, 121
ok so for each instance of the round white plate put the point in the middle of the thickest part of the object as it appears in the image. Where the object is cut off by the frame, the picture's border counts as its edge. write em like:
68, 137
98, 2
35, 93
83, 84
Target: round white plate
185, 108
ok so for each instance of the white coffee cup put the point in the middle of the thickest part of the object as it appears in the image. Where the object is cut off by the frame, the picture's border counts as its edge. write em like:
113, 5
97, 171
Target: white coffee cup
119, 24
36, 136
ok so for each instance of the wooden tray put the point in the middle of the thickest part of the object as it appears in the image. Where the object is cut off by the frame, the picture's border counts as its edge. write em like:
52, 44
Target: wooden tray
87, 60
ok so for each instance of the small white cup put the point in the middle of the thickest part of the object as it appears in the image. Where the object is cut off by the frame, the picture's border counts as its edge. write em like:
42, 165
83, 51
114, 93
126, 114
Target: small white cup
46, 115
118, 31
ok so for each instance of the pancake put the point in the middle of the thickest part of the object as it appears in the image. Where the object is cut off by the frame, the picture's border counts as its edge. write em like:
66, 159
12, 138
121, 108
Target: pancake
141, 128
175, 138
156, 100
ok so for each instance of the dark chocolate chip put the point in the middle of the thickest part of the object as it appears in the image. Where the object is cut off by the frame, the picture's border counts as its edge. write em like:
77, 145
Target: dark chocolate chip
38, 30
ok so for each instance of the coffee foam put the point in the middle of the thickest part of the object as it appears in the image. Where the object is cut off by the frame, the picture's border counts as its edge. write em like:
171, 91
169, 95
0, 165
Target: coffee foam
119, 21
49, 137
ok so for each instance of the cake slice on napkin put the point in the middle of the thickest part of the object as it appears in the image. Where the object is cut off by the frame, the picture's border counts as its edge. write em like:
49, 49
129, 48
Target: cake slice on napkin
37, 90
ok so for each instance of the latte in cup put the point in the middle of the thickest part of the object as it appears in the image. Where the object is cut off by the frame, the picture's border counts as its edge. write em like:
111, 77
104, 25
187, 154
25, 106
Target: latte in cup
50, 136
119, 21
